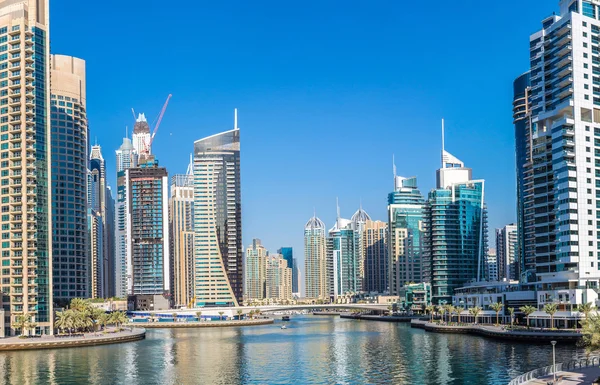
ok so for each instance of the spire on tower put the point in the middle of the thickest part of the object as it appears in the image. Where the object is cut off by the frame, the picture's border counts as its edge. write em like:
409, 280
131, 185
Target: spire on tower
235, 126
443, 145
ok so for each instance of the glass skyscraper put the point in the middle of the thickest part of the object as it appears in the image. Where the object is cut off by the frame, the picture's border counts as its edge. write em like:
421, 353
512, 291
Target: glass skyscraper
71, 271
288, 254
218, 269
455, 223
315, 260
405, 229
181, 219
342, 263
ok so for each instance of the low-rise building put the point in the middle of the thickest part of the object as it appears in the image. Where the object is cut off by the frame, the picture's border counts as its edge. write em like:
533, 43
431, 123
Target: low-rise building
148, 302
414, 297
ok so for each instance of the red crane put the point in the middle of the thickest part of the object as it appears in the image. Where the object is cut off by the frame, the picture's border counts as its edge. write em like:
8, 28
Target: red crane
160, 116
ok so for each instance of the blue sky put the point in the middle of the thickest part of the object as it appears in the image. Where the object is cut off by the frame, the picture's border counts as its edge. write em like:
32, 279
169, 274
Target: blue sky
327, 91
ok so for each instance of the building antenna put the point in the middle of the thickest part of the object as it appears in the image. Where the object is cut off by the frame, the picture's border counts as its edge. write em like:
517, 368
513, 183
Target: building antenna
235, 127
337, 204
190, 169
126, 132
133, 113
443, 145
394, 164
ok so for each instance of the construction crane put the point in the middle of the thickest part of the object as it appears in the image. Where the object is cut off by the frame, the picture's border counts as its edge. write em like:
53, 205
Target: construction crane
160, 116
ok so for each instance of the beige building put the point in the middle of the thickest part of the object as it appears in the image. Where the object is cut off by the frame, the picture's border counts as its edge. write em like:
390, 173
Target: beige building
278, 278
256, 275
315, 260
374, 243
26, 256
181, 209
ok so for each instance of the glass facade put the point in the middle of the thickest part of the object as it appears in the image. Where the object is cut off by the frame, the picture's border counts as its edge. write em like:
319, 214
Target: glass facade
342, 260
70, 273
288, 254
405, 241
315, 260
455, 221
218, 269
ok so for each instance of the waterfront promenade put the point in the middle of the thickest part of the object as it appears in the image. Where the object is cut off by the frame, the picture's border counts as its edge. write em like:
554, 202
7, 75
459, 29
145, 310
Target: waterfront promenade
81, 340
584, 376
205, 324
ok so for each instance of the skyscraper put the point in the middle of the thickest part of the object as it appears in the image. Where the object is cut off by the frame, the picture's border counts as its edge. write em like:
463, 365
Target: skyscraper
405, 240
181, 217
126, 158
526, 212
101, 202
315, 260
359, 220
288, 254
26, 284
565, 154
96, 254
71, 268
218, 219
506, 252
374, 241
492, 265
141, 135
256, 274
278, 285
455, 222
342, 263
148, 269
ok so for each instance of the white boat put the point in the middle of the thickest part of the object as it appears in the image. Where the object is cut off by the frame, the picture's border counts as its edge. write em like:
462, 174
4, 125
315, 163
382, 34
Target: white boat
283, 327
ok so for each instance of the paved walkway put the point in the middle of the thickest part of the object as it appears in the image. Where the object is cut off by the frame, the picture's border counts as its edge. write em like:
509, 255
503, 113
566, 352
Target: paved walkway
86, 336
581, 377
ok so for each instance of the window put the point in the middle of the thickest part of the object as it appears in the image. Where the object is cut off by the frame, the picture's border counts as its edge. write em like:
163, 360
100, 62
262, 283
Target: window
588, 9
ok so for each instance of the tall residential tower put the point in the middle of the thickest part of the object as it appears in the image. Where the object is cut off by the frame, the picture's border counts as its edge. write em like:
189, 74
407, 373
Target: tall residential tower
315, 260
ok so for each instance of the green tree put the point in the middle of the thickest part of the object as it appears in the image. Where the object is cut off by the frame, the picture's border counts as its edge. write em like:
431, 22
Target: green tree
511, 311
551, 308
586, 309
430, 309
22, 322
174, 317
239, 313
95, 314
199, 315
221, 315
591, 333
497, 307
79, 304
528, 310
442, 311
450, 310
475, 311
104, 319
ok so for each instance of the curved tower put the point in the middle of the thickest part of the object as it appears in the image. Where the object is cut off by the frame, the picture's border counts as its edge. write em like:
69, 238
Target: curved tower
218, 220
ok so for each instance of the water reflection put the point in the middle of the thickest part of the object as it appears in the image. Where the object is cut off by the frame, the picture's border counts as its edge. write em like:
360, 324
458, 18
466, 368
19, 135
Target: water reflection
313, 350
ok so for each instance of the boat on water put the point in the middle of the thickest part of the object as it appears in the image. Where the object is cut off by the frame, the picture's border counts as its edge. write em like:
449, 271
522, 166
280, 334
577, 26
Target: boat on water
285, 318
283, 327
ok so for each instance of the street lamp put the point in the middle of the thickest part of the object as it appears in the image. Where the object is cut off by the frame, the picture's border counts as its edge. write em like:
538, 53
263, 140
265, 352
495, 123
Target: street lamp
553, 360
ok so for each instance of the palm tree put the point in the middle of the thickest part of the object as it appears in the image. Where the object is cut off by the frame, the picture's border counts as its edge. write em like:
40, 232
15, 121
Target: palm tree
451, 310
21, 322
551, 308
79, 304
475, 310
221, 315
511, 311
497, 307
586, 309
60, 322
239, 313
95, 314
104, 319
528, 310
199, 315
430, 309
174, 317
442, 311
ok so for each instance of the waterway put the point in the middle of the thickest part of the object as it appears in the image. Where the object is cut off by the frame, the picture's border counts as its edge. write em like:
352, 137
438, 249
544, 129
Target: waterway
312, 350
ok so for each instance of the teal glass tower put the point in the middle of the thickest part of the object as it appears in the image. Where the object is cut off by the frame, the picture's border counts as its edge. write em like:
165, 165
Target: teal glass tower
405, 234
455, 223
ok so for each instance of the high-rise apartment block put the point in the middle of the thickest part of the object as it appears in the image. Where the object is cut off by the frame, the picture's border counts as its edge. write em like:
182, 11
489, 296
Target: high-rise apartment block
288, 254
342, 263
492, 265
374, 241
127, 158
405, 235
315, 260
218, 251
455, 223
71, 270
256, 275
506, 252
148, 269
26, 274
557, 129
278, 278
181, 218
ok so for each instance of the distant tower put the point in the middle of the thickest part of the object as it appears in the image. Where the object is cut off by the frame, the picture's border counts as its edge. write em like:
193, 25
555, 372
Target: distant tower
315, 259
141, 134
181, 223
506, 252
256, 275
71, 270
359, 221
218, 219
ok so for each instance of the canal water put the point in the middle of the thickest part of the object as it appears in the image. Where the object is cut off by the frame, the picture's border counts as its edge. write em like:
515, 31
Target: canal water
312, 350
